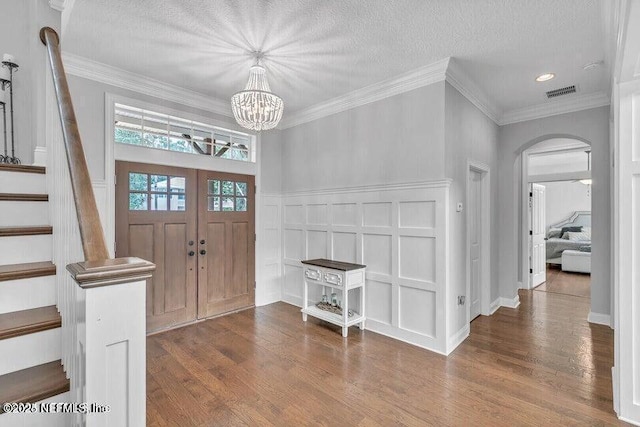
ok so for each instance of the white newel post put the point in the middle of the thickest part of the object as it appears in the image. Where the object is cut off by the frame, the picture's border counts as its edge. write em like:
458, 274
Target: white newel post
111, 339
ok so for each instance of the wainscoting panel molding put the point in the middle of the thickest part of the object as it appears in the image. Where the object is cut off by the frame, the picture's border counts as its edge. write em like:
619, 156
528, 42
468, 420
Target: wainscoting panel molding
398, 232
269, 248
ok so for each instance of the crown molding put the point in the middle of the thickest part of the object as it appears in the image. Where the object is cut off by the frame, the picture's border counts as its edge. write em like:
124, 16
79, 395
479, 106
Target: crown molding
447, 69
470, 90
423, 76
82, 67
552, 108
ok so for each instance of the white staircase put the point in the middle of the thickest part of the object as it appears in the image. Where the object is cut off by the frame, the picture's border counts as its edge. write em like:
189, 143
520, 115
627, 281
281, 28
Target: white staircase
30, 325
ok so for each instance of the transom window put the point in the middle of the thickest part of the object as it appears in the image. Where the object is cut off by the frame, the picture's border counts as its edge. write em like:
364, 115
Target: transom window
135, 126
149, 192
226, 196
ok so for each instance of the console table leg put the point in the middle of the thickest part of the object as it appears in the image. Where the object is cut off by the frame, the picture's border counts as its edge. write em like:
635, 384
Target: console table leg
345, 331
362, 325
304, 317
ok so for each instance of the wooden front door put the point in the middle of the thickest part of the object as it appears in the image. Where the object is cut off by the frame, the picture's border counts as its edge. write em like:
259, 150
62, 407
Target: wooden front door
198, 227
226, 242
156, 215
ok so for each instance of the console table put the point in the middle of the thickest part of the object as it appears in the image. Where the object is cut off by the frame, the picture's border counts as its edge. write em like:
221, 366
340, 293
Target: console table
337, 276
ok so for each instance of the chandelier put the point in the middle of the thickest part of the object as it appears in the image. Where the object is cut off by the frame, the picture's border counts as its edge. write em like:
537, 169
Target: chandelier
255, 107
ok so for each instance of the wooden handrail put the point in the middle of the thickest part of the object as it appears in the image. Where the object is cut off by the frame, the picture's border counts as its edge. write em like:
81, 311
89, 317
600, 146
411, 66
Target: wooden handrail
93, 241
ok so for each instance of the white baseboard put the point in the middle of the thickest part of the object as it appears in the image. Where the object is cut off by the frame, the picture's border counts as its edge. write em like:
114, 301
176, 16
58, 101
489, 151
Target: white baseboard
457, 339
495, 305
267, 299
409, 337
629, 421
510, 302
292, 299
599, 318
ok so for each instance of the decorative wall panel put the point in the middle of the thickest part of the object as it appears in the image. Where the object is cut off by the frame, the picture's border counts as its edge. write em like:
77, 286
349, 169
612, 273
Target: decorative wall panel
417, 214
399, 232
376, 214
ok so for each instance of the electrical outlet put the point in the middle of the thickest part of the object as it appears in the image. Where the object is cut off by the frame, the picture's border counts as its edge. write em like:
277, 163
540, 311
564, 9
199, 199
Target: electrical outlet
461, 299
459, 207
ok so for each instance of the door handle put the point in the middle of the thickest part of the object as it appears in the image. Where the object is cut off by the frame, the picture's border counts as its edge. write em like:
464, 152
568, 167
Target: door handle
191, 253
203, 252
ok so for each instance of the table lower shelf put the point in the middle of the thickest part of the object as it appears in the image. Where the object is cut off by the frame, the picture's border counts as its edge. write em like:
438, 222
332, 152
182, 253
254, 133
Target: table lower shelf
334, 318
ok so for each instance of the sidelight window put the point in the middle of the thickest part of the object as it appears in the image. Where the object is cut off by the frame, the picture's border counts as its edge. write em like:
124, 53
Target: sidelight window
151, 192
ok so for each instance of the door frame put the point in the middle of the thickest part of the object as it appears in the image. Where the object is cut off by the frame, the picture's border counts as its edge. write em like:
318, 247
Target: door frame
530, 196
523, 224
485, 263
105, 189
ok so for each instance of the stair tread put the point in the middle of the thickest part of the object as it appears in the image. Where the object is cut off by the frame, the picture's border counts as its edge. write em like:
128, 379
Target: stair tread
29, 321
25, 230
23, 168
26, 270
23, 197
33, 384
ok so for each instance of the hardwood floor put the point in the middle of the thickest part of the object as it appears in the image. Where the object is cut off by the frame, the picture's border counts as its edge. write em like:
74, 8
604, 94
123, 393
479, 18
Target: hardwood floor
562, 282
539, 364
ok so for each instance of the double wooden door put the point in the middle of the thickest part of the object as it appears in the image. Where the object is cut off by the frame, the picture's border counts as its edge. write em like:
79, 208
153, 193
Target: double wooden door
198, 227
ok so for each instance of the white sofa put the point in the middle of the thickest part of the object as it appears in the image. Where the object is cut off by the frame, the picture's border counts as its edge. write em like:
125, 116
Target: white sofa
576, 261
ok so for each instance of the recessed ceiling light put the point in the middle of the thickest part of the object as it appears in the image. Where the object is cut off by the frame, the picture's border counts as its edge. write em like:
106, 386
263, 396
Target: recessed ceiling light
545, 77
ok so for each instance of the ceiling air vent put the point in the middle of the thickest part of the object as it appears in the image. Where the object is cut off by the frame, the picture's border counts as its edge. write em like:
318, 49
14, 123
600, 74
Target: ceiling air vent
562, 91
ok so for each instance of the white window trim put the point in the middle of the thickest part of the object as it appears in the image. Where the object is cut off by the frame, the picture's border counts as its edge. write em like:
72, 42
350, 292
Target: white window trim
116, 151
195, 125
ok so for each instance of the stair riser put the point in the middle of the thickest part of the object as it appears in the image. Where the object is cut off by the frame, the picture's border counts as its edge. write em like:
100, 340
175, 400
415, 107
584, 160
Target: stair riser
23, 213
24, 294
42, 419
28, 183
30, 350
21, 249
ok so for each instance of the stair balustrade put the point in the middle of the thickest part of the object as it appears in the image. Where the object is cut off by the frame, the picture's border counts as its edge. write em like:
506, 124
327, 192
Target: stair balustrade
101, 299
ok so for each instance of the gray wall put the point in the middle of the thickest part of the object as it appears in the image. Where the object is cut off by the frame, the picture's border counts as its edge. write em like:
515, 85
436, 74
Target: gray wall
425, 134
591, 126
271, 161
20, 23
396, 140
469, 135
562, 198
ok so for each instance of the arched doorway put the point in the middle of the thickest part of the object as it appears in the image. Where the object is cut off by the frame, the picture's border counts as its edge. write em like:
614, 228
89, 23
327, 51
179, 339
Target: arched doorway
600, 193
555, 215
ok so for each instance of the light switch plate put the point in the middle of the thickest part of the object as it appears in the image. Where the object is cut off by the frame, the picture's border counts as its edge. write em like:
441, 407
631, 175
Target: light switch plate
459, 207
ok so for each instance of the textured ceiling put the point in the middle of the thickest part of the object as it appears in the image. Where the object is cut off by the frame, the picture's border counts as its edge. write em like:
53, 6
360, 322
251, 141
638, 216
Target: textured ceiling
318, 50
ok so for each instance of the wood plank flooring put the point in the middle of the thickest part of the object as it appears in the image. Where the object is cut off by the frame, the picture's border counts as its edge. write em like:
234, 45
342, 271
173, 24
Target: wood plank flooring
568, 283
539, 364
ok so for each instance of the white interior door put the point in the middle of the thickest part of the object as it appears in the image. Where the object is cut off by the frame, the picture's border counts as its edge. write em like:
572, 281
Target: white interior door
475, 240
538, 249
